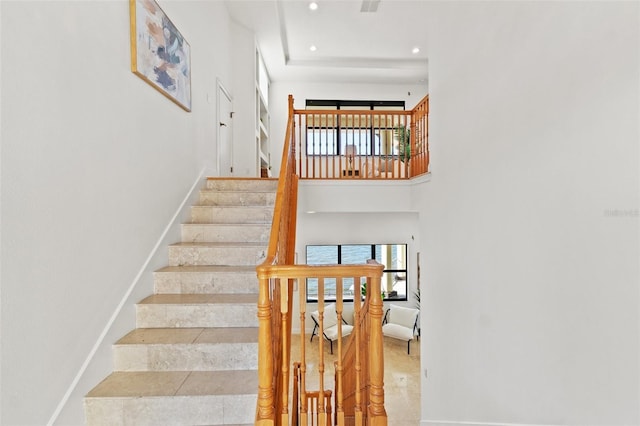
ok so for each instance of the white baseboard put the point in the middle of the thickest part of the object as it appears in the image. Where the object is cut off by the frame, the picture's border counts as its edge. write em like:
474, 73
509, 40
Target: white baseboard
176, 220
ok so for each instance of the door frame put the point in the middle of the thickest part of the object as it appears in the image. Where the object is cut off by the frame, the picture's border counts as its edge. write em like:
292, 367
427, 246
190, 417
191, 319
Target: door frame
222, 91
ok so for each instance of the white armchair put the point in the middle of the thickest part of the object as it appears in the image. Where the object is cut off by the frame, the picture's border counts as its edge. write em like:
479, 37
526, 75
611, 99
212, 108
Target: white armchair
330, 324
401, 323
384, 167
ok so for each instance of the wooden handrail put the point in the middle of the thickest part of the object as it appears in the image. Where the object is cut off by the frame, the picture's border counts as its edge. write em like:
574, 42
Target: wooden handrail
274, 302
359, 369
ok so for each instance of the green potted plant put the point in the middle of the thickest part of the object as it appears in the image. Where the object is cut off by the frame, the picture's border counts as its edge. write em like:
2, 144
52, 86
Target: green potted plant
363, 290
402, 135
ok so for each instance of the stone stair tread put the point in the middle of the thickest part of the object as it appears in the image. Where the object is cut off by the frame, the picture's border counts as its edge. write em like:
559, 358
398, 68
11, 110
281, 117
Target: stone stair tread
208, 268
232, 207
206, 279
231, 214
228, 224
219, 244
197, 299
196, 335
238, 198
240, 179
240, 190
217, 253
138, 384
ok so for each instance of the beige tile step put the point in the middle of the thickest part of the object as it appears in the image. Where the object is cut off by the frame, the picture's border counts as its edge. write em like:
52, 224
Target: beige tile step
231, 214
197, 310
242, 184
187, 349
206, 279
225, 232
225, 253
236, 198
173, 398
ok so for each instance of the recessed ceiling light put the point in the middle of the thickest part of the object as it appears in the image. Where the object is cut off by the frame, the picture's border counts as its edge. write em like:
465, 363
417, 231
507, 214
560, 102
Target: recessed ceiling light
415, 50
313, 5
313, 48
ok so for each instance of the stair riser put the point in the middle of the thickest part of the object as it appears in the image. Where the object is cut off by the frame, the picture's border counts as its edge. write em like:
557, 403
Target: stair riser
229, 214
171, 410
205, 282
186, 357
225, 233
242, 185
234, 255
204, 315
211, 198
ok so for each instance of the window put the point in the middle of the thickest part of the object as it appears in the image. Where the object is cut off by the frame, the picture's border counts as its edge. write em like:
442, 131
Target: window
392, 256
328, 134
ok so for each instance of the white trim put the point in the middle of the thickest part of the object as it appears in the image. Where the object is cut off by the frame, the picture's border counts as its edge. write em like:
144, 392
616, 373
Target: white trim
1, 222
123, 301
324, 183
421, 179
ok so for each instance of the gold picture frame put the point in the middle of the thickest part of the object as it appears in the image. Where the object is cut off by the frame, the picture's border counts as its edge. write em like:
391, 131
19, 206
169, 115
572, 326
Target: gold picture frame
160, 55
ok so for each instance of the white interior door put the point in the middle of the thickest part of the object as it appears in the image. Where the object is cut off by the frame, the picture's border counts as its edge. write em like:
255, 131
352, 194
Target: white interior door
225, 132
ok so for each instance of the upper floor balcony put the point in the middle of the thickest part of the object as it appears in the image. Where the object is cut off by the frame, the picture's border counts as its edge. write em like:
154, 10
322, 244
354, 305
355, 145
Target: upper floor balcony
360, 144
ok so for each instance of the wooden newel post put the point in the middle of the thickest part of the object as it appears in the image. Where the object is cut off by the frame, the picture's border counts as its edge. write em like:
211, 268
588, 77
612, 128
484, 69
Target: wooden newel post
265, 414
290, 105
376, 416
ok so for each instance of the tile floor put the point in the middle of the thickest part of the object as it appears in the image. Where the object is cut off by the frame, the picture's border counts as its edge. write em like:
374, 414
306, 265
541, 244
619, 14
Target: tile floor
401, 377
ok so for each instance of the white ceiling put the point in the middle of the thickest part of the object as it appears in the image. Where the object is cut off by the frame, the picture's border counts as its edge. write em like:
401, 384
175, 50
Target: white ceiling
352, 45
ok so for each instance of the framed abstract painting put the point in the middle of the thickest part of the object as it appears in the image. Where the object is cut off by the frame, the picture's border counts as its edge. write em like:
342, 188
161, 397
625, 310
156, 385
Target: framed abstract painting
160, 55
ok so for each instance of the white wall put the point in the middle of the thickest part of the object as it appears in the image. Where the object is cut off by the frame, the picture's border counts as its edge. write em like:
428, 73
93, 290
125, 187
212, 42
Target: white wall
244, 99
95, 163
530, 290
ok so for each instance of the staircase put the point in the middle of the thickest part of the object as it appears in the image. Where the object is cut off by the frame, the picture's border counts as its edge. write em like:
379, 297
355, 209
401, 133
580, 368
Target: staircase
192, 360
